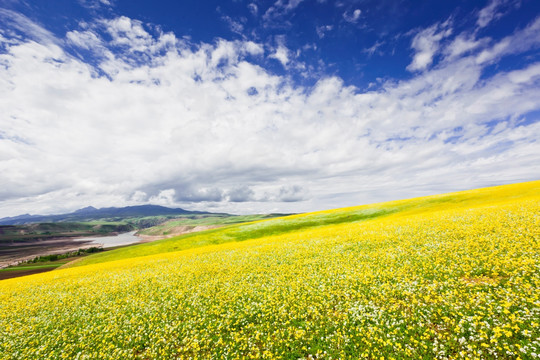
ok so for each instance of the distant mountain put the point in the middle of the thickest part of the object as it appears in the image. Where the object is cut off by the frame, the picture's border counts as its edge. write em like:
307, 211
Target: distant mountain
86, 210
20, 219
91, 213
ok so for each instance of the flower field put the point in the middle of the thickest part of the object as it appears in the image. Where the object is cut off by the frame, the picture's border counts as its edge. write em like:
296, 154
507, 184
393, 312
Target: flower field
453, 276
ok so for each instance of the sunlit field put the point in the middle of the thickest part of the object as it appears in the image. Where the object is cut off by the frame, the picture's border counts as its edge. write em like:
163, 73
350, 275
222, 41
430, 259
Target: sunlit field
453, 276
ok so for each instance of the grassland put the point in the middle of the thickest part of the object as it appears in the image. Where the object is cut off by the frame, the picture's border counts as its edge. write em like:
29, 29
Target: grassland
168, 227
453, 276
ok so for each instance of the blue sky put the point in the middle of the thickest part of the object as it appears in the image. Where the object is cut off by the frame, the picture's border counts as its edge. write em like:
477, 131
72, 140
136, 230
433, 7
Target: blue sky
260, 106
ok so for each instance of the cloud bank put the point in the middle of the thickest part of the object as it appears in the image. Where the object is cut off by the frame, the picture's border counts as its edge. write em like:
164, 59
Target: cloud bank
118, 113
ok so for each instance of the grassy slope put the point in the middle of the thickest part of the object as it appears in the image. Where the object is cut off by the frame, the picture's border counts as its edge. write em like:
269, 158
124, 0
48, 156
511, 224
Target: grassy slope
450, 276
31, 268
293, 223
165, 228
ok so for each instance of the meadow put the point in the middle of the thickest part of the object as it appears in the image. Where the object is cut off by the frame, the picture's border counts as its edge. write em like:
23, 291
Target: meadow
216, 220
453, 276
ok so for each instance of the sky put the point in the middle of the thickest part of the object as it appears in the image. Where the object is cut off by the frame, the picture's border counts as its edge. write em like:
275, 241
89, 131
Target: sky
250, 106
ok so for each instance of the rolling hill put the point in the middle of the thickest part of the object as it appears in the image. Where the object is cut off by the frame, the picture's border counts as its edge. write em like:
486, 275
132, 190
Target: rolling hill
446, 276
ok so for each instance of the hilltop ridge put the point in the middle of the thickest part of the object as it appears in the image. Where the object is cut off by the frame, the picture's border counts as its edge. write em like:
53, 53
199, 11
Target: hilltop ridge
90, 213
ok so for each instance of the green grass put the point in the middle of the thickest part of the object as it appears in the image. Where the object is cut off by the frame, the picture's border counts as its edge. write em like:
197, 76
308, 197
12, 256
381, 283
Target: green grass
31, 267
202, 220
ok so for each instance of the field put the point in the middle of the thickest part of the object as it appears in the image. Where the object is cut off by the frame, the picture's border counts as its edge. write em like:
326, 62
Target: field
45, 263
172, 226
452, 276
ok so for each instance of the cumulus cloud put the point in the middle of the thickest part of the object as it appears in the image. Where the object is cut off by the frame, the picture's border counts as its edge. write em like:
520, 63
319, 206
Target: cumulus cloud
130, 33
159, 119
164, 198
282, 55
281, 52
84, 39
291, 193
241, 194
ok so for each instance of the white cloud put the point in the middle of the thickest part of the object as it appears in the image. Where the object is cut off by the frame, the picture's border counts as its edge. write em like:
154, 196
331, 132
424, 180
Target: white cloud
235, 26
426, 45
519, 42
463, 44
96, 4
280, 9
371, 50
282, 55
128, 32
525, 75
251, 48
323, 29
253, 8
493, 11
286, 5
200, 126
23, 25
352, 17
164, 198
84, 39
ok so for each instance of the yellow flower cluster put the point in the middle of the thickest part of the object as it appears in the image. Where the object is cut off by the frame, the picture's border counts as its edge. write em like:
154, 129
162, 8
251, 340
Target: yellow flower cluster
448, 283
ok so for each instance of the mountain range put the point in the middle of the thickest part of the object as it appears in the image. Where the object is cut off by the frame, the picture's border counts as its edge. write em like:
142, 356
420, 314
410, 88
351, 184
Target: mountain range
91, 213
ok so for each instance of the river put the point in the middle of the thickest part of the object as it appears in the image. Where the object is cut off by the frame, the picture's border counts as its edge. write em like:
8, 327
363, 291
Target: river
110, 241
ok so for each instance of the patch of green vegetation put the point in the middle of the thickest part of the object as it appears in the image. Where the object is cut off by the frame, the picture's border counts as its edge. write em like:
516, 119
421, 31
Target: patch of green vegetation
55, 257
30, 267
203, 220
53, 260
